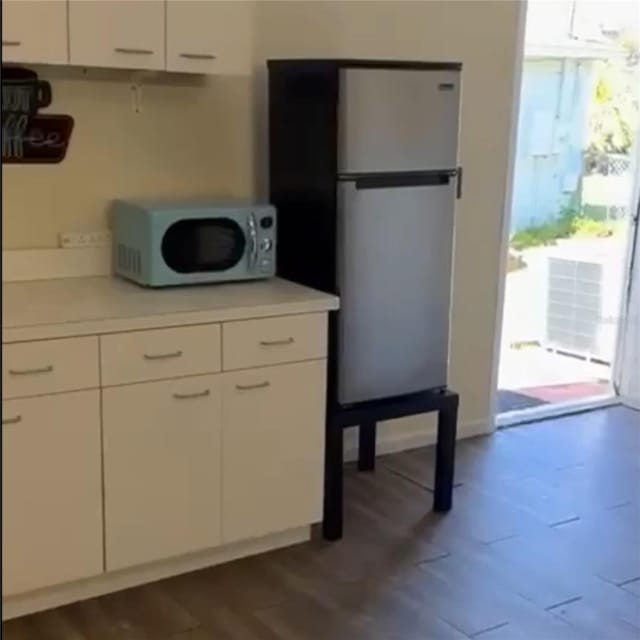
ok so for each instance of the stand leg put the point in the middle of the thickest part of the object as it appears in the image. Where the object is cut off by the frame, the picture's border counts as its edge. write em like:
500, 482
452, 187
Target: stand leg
333, 490
445, 456
367, 446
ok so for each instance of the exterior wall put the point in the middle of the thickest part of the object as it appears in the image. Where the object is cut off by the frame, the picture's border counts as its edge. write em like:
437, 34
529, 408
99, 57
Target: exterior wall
551, 137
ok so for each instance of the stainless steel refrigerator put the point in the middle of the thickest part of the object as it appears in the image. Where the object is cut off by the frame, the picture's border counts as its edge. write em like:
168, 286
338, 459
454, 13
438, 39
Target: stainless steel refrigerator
364, 175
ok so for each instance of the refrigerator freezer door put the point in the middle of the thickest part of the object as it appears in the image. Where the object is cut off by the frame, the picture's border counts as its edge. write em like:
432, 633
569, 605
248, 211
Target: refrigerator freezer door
395, 120
394, 278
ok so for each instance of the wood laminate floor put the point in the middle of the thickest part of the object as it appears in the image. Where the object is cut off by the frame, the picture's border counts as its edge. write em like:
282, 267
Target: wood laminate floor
543, 544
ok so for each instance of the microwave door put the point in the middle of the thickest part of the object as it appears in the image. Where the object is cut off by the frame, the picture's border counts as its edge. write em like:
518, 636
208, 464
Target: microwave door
203, 245
395, 236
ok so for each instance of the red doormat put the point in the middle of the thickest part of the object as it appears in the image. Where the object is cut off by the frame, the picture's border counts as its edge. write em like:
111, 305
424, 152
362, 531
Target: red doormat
567, 392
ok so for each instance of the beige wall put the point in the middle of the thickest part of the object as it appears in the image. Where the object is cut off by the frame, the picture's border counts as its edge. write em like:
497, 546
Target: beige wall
192, 137
484, 36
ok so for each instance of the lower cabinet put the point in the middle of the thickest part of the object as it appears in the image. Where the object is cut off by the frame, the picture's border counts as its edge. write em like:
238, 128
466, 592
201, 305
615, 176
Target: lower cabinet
273, 443
162, 469
51, 490
135, 473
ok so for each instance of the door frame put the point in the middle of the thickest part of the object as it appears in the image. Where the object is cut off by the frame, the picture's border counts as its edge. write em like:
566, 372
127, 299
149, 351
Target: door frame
507, 210
496, 419
632, 271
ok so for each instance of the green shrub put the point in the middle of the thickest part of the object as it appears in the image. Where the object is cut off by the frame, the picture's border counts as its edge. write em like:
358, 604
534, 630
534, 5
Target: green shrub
547, 233
589, 228
569, 224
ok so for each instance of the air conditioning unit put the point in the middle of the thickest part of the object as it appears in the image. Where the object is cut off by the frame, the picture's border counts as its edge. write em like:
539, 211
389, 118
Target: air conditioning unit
584, 288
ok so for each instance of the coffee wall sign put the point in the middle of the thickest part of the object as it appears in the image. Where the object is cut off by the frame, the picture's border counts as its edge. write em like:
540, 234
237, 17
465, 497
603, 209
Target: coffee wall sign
29, 137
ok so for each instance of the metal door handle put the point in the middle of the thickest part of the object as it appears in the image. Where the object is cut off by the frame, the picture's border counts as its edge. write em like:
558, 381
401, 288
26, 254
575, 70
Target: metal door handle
275, 343
139, 52
253, 236
13, 420
189, 396
11, 43
249, 387
198, 56
28, 372
162, 356
400, 180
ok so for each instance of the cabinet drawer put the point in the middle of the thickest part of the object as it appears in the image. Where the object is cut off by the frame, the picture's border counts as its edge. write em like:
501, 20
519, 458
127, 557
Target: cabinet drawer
255, 343
166, 353
49, 366
51, 490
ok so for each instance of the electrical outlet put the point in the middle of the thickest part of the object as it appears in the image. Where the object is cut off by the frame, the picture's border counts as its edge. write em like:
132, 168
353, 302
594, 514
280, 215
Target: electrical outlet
80, 239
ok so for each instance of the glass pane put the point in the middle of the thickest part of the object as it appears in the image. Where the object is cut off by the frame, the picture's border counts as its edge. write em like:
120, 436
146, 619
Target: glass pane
189, 246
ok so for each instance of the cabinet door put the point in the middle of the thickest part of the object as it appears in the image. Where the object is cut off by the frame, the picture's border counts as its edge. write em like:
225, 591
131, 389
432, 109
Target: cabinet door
109, 33
208, 36
273, 443
35, 31
51, 490
161, 469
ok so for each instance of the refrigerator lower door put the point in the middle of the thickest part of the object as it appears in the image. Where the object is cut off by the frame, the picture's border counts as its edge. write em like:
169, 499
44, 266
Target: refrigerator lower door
394, 277
395, 120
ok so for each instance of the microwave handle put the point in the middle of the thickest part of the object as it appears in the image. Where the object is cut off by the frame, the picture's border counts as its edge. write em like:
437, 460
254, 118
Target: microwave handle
253, 239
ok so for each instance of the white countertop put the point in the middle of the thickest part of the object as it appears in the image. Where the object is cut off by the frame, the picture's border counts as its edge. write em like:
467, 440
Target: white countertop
83, 306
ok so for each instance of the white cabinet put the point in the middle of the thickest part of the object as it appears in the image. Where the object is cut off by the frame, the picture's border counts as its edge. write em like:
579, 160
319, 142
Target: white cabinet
51, 490
114, 33
208, 36
35, 31
189, 36
273, 444
49, 366
142, 356
161, 469
185, 429
270, 341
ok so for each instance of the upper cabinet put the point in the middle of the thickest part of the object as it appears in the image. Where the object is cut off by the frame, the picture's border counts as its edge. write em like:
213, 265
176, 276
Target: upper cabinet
35, 31
209, 36
189, 36
130, 35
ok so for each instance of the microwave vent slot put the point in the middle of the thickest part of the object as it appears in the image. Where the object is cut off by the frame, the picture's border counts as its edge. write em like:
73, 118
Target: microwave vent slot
129, 259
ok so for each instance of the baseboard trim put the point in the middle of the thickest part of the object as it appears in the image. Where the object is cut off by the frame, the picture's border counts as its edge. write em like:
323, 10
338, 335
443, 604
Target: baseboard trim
46, 264
399, 440
21, 605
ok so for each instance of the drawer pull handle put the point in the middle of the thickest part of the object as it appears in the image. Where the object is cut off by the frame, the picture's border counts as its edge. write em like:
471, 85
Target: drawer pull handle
276, 343
189, 396
11, 43
198, 56
162, 356
28, 372
249, 387
13, 420
139, 52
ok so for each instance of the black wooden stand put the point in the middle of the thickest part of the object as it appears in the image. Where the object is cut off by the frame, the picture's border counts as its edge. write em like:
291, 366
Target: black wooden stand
444, 402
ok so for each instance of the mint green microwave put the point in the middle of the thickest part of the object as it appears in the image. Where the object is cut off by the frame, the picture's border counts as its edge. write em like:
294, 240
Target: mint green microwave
161, 244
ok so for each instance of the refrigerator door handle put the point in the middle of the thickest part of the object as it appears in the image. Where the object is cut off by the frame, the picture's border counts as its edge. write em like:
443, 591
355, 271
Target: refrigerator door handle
459, 183
397, 181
